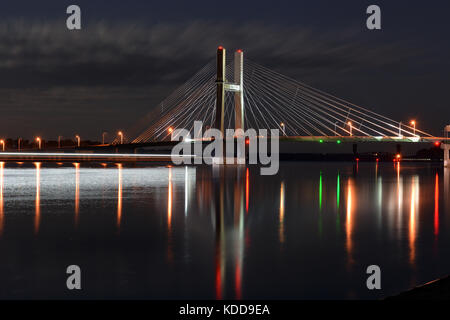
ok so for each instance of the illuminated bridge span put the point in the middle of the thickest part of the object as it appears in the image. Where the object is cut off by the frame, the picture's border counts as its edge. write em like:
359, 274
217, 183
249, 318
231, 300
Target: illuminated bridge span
225, 94
87, 157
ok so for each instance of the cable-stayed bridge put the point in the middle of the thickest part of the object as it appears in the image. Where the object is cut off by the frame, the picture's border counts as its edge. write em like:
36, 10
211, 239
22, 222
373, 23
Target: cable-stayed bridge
239, 93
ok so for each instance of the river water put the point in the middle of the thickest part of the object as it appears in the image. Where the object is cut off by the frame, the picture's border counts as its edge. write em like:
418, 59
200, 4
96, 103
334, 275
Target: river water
309, 232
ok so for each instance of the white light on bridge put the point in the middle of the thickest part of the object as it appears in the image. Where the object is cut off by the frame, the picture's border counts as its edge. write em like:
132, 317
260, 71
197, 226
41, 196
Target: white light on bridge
78, 140
39, 142
413, 123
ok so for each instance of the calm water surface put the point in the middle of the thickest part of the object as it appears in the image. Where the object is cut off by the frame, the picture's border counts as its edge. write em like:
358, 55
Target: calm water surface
197, 232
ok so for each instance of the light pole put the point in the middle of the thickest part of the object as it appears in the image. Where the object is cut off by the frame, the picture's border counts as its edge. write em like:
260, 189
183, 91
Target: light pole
283, 128
39, 142
413, 123
19, 140
59, 141
3, 144
351, 127
120, 133
103, 136
78, 140
335, 128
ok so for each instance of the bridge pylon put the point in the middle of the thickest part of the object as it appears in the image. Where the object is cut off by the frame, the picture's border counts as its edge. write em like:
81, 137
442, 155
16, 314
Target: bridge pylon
446, 147
223, 86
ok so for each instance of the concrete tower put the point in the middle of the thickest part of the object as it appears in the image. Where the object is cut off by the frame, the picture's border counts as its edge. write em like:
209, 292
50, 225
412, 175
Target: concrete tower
446, 147
223, 86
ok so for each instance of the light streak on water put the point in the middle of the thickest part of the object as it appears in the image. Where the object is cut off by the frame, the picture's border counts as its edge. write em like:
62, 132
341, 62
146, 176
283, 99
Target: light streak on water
281, 217
436, 205
2, 222
77, 192
414, 205
37, 217
119, 196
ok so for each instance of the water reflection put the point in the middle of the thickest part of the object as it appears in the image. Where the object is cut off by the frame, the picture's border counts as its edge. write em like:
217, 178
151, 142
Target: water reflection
239, 237
220, 247
169, 217
37, 216
338, 191
77, 192
209, 235
119, 196
380, 200
169, 201
186, 190
376, 170
338, 202
320, 191
413, 217
349, 220
232, 234
436, 205
320, 205
399, 199
247, 189
2, 165
281, 217
447, 189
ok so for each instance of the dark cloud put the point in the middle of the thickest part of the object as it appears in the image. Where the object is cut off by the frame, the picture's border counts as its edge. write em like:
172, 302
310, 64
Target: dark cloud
116, 73
40, 54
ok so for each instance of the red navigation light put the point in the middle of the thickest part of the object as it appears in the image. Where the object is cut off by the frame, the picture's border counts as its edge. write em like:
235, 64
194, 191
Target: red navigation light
239, 51
437, 143
220, 48
378, 159
357, 159
247, 140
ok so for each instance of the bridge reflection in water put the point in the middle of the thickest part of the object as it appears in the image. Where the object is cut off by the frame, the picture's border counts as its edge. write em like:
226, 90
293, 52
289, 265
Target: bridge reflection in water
227, 232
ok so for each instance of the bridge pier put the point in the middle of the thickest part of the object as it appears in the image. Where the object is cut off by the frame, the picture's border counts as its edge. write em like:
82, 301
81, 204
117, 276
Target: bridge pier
446, 147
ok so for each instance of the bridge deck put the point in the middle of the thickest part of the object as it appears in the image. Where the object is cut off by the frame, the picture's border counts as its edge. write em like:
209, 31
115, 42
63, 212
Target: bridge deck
354, 139
83, 157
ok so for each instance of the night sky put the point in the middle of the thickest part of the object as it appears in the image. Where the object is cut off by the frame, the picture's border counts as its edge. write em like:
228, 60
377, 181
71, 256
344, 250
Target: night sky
131, 54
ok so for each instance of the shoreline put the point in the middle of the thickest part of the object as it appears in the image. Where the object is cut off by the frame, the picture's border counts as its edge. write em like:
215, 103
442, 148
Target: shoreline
438, 289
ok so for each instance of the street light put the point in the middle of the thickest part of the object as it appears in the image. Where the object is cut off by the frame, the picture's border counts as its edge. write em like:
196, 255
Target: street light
39, 142
170, 129
3, 144
120, 133
413, 123
19, 140
103, 136
78, 140
335, 128
59, 141
283, 126
351, 127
